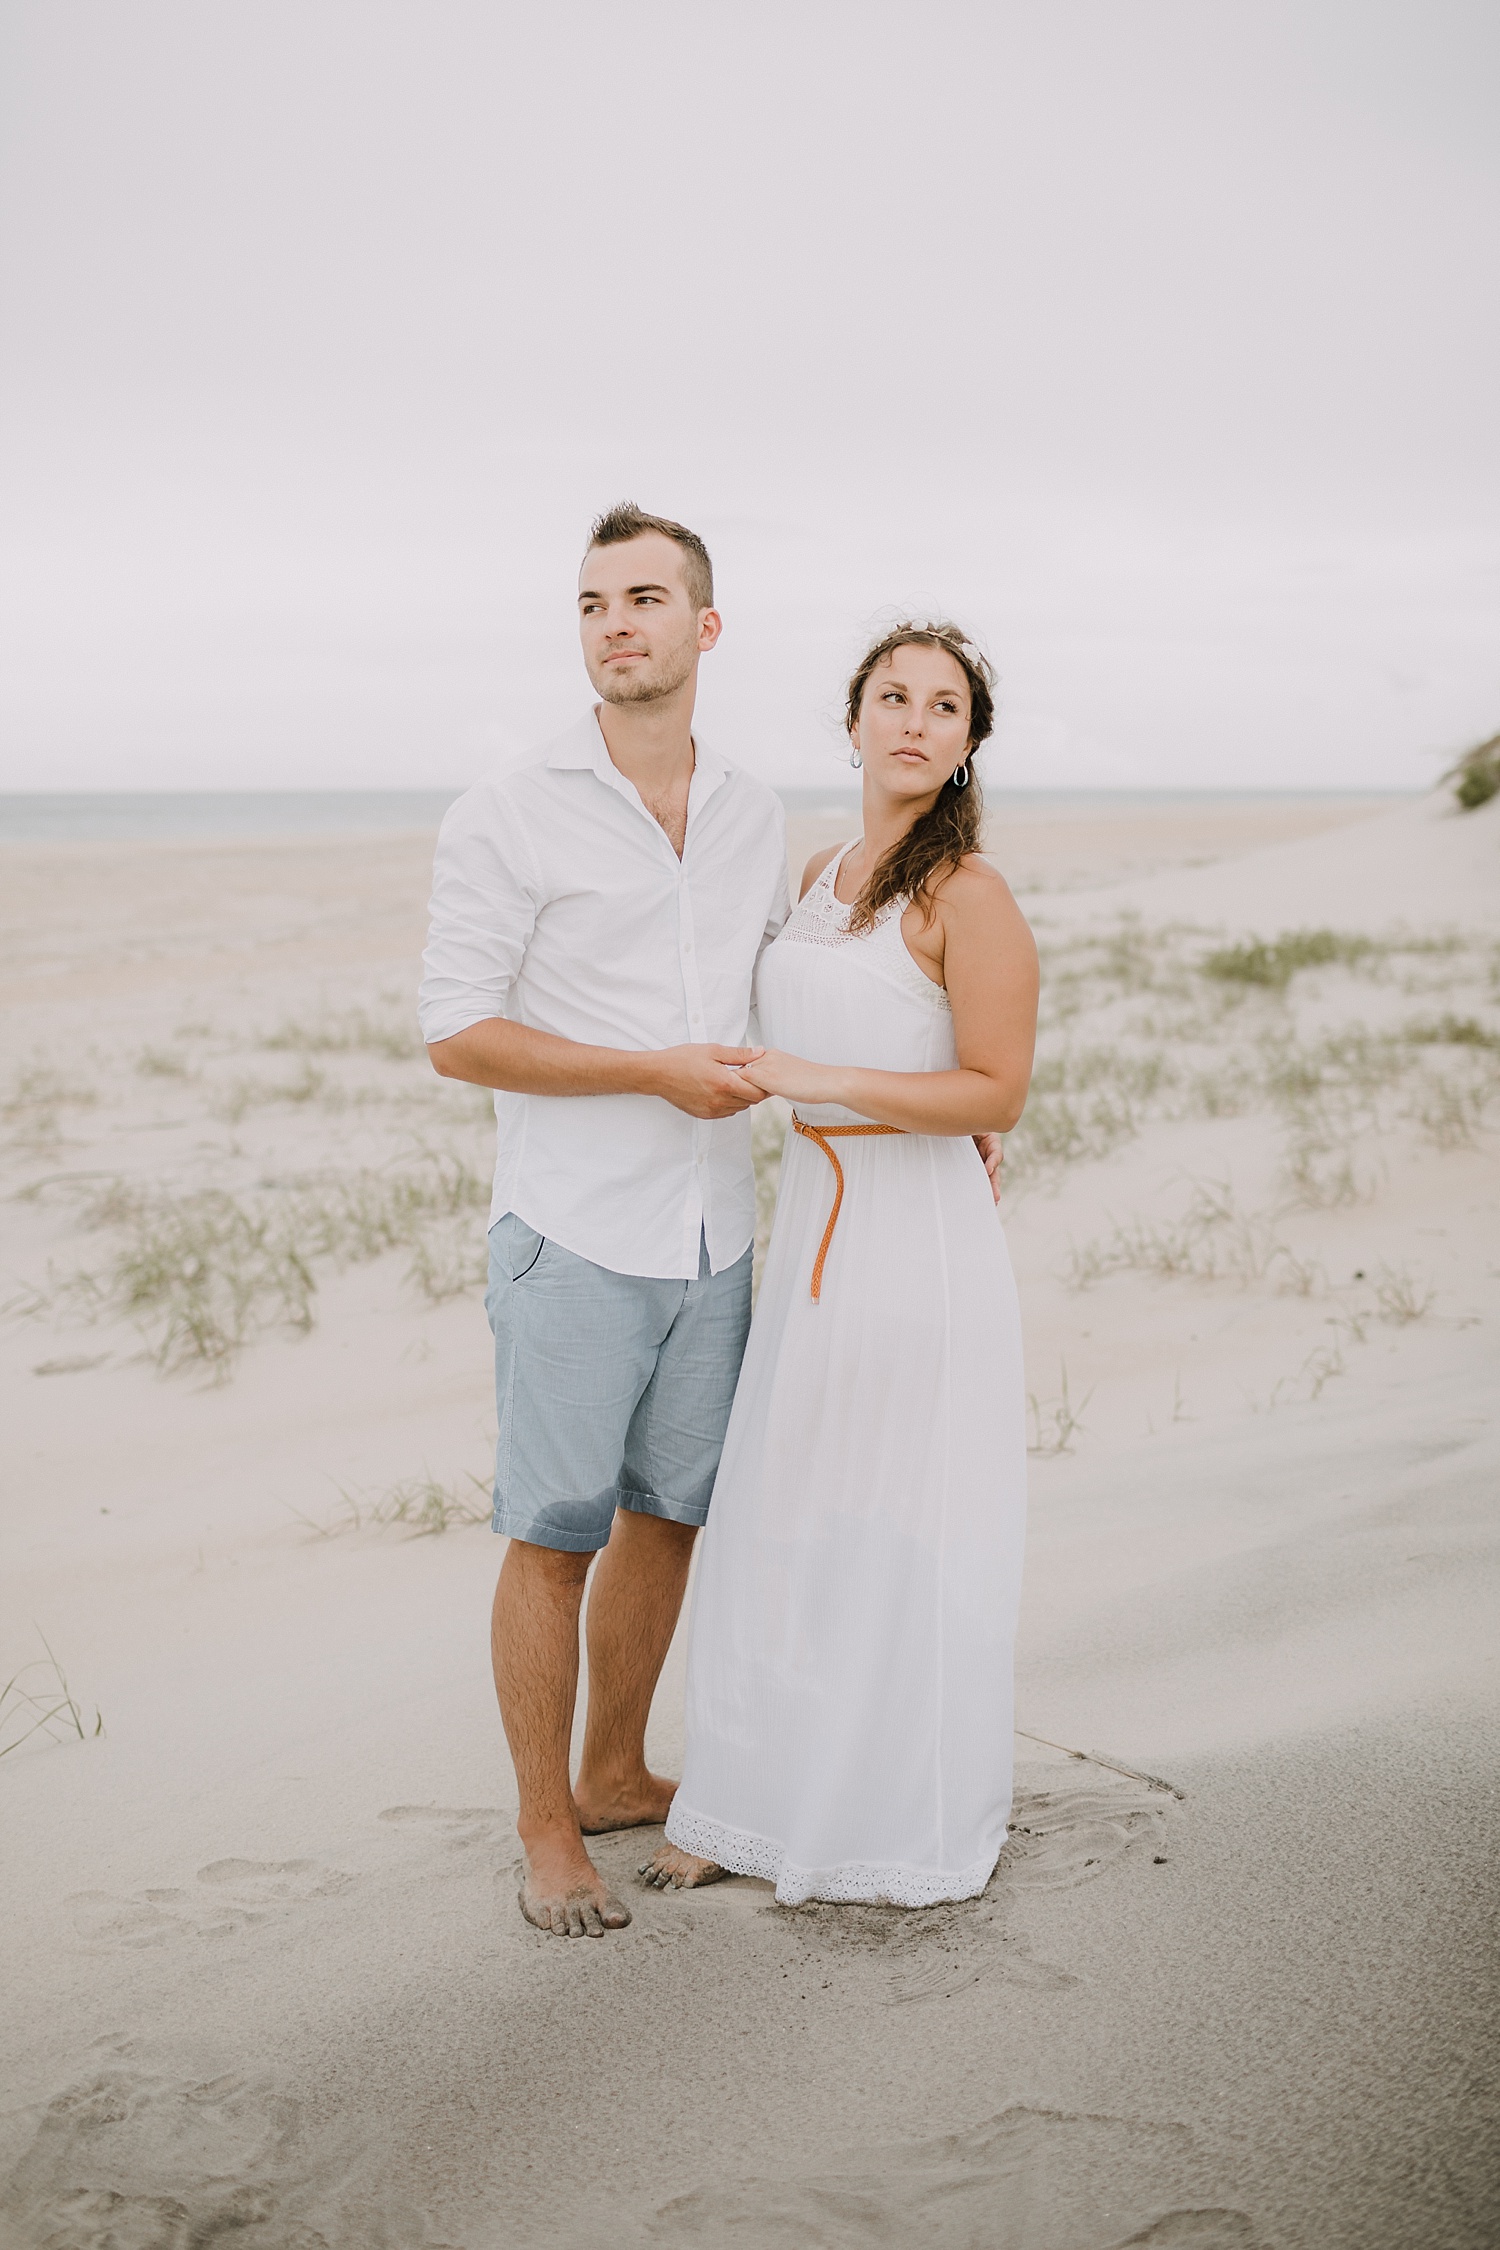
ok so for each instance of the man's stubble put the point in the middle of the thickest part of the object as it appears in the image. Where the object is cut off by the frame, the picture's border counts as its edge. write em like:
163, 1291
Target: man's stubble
650, 683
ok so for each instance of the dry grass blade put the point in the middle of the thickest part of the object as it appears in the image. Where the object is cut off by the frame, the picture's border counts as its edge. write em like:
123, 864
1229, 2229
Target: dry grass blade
423, 1506
1399, 1298
1112, 1765
1055, 1425
1213, 1241
50, 1709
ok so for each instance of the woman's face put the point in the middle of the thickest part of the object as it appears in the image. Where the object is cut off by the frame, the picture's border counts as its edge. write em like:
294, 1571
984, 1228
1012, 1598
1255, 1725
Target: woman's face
913, 727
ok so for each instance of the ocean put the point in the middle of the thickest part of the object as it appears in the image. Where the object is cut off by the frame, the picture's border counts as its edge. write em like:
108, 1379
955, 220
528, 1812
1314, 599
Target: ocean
156, 816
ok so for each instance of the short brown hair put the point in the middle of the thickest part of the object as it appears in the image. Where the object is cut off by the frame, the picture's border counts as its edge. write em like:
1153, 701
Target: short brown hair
942, 838
627, 521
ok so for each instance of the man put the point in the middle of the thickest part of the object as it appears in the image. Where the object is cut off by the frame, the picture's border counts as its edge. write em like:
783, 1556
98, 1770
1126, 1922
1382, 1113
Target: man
597, 914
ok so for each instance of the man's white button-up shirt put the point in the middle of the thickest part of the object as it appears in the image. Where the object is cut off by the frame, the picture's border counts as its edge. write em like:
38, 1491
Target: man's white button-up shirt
557, 901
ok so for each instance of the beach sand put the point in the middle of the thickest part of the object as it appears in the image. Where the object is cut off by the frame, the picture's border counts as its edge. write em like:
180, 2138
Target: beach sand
1235, 1986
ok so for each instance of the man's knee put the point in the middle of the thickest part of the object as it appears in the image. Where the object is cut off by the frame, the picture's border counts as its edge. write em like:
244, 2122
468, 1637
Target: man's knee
558, 1567
659, 1534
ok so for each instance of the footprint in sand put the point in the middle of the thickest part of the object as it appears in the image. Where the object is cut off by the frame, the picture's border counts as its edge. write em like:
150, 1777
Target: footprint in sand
1197, 2230
136, 2157
238, 1894
276, 1880
1028, 2179
458, 1826
1060, 1837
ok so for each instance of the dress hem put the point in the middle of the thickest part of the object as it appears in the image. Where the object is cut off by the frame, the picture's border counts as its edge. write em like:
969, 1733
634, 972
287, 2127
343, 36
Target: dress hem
855, 1882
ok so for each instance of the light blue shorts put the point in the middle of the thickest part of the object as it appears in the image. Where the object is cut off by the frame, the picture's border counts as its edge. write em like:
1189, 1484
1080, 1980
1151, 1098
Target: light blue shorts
613, 1389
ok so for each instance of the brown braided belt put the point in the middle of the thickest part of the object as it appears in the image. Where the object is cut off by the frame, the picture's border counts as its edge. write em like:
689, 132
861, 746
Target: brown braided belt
823, 1134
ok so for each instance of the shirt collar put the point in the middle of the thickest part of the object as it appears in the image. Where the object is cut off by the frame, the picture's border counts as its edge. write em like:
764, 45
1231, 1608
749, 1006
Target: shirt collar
584, 746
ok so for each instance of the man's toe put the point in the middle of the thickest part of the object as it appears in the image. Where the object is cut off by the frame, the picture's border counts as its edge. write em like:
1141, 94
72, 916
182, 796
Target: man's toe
593, 1924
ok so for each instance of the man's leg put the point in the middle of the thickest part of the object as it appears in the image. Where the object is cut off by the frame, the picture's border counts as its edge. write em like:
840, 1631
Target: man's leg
634, 1605
575, 1347
671, 1458
534, 1643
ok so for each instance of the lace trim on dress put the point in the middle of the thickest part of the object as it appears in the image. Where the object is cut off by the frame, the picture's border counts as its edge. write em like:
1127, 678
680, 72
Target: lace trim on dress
858, 1882
822, 918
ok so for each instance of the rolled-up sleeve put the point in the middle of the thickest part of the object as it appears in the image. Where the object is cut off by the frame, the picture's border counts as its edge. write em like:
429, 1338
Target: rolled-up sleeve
486, 889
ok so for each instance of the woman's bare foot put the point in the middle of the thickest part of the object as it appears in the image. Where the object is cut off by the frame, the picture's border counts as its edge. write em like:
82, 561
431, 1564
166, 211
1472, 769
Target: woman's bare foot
672, 1870
642, 1803
563, 1891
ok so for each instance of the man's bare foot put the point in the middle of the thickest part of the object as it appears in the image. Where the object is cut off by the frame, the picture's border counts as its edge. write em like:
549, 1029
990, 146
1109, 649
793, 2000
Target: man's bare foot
672, 1870
642, 1803
563, 1891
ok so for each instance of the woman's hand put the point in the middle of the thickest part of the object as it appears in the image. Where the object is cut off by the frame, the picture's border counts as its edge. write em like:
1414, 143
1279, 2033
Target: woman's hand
792, 1078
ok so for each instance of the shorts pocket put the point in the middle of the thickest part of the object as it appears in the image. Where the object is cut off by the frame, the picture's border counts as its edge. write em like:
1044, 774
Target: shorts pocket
521, 1247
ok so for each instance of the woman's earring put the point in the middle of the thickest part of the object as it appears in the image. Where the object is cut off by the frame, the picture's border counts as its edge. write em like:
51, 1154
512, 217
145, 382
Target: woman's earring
961, 775
855, 760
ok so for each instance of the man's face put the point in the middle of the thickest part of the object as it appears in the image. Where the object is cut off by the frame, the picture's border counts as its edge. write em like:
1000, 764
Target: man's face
641, 634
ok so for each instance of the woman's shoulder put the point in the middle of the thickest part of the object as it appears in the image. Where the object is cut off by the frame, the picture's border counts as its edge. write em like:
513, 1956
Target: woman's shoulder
816, 865
975, 891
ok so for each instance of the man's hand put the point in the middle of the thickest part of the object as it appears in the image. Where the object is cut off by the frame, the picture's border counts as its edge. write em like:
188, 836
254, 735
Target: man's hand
992, 1150
705, 1081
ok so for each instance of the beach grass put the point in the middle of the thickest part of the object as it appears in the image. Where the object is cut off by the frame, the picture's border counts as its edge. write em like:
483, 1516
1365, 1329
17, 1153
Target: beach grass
423, 1507
1179, 1032
204, 1271
37, 1700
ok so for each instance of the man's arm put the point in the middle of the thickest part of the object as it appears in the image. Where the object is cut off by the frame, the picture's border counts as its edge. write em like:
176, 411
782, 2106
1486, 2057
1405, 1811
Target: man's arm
704, 1081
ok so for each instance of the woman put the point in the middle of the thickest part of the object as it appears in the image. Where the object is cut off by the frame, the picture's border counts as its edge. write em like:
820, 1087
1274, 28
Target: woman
849, 1670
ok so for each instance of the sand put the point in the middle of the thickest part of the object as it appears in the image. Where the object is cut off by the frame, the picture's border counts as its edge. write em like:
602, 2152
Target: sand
265, 1977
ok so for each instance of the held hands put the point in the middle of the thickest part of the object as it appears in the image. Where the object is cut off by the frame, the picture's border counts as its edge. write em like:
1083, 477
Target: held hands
721, 1081
791, 1077
706, 1081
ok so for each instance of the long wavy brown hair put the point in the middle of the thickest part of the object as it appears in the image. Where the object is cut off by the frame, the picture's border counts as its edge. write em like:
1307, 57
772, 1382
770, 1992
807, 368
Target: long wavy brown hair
936, 842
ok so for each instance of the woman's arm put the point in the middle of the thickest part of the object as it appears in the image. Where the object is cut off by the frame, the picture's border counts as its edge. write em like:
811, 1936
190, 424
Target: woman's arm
990, 969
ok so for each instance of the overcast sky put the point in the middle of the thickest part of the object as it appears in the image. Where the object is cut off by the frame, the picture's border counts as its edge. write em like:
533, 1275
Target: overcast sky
1157, 340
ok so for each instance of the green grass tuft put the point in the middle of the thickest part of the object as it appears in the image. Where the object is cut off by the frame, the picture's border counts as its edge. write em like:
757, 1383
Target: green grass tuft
1476, 777
1451, 1031
1274, 964
203, 1273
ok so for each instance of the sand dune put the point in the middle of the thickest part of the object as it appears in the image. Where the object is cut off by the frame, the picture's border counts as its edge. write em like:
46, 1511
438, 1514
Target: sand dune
266, 1981
1419, 862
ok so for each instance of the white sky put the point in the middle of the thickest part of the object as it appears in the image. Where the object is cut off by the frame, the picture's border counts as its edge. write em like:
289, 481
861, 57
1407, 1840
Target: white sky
1155, 339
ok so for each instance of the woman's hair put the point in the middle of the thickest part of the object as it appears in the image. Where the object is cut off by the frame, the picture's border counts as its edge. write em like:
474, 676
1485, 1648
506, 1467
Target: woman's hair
935, 844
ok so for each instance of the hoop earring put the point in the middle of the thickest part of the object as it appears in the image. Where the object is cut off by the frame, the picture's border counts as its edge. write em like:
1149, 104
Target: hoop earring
855, 760
961, 775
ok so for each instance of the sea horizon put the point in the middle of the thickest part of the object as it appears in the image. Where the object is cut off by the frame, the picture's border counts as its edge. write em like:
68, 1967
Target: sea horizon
163, 815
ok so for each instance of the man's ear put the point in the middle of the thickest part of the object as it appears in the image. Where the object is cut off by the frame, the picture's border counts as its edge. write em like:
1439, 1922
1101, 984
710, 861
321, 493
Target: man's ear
710, 626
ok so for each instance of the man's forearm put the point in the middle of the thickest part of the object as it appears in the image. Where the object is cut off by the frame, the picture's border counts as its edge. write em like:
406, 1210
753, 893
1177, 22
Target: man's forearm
515, 1059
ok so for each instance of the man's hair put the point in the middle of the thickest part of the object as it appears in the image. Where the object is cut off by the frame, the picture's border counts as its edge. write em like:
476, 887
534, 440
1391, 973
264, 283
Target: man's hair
627, 521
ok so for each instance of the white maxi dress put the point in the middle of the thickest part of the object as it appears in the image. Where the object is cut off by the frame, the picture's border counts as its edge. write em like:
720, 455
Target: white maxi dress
849, 1697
